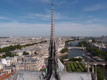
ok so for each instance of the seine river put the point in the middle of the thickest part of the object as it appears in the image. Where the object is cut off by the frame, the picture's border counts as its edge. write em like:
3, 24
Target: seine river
74, 52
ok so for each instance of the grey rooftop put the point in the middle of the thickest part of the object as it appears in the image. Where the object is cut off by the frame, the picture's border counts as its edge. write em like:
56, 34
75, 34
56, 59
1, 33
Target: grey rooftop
32, 75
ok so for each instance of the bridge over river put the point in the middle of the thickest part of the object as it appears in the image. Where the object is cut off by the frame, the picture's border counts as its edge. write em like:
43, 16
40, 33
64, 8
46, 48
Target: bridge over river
77, 48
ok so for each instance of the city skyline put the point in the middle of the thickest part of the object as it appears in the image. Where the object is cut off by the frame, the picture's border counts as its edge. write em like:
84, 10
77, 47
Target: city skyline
72, 17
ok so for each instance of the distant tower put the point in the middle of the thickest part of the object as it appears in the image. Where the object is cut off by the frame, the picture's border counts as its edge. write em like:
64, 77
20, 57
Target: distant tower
52, 67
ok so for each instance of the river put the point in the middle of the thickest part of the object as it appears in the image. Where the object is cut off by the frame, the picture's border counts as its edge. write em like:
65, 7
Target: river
74, 52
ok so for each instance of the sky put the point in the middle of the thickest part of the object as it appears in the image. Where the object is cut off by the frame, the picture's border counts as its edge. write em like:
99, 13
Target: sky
72, 17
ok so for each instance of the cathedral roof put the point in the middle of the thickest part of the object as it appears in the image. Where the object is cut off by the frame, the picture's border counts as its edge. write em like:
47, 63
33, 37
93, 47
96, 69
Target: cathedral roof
33, 75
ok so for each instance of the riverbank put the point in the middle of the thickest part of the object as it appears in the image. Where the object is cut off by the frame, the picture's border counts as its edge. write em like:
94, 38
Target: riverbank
60, 55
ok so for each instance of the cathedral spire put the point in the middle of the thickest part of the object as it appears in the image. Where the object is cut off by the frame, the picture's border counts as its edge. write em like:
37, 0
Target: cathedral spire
52, 66
52, 21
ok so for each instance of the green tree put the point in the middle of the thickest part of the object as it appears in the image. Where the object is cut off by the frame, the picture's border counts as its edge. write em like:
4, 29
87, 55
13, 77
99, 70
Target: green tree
8, 54
25, 53
64, 50
100, 74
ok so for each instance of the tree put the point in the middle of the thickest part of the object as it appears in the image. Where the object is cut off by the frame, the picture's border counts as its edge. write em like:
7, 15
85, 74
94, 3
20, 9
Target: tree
25, 53
100, 74
83, 43
8, 54
64, 50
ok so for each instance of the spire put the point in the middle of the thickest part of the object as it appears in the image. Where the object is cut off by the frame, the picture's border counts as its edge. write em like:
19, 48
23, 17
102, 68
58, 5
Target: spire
52, 21
52, 66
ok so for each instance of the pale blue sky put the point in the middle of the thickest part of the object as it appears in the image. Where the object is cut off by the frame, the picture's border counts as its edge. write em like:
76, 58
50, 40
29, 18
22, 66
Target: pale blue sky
72, 17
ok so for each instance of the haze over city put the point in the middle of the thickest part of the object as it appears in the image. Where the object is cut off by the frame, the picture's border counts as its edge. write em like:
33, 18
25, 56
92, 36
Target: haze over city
72, 17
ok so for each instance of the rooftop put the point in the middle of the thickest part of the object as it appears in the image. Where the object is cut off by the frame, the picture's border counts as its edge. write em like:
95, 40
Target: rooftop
31, 75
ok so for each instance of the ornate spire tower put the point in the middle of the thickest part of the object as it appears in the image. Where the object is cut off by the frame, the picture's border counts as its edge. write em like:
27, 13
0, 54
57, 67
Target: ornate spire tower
52, 67
52, 22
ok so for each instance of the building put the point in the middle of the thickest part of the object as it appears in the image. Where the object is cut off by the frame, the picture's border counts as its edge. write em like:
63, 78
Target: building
31, 63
